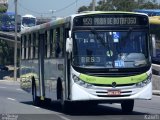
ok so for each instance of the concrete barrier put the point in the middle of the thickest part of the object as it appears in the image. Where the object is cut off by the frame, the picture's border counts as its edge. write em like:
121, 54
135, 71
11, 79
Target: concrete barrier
156, 82
156, 69
156, 79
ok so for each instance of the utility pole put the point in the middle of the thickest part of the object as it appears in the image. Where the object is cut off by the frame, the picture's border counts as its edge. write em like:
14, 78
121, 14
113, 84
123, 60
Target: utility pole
15, 44
52, 12
93, 5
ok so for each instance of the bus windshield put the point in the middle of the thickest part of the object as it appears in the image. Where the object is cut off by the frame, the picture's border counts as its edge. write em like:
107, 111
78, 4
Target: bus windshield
8, 19
104, 49
28, 22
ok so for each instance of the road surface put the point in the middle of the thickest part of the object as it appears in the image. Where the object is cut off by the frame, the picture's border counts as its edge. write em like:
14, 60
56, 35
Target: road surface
15, 104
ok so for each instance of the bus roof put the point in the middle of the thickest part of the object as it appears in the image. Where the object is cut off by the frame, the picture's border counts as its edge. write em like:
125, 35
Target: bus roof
29, 16
10, 13
69, 18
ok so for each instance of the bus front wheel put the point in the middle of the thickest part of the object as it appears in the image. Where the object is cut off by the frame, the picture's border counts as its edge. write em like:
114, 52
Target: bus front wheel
127, 106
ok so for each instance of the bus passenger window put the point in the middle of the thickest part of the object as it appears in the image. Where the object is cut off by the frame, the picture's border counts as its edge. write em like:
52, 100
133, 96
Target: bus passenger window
48, 44
53, 54
29, 47
45, 44
36, 45
58, 49
61, 41
31, 51
57, 46
22, 47
51, 42
27, 37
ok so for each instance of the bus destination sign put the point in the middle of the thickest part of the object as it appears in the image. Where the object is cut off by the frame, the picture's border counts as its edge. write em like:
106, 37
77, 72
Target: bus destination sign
108, 20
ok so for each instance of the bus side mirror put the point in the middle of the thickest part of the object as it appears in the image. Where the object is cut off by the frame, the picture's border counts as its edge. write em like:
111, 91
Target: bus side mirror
69, 45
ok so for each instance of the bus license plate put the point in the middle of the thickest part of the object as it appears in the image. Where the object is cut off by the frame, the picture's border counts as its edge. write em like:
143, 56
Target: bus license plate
114, 92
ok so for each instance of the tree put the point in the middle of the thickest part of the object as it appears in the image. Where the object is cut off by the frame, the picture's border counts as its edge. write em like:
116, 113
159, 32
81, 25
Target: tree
3, 7
149, 5
6, 53
122, 5
83, 8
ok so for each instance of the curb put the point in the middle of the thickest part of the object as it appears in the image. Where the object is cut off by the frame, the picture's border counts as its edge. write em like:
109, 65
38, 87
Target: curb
156, 92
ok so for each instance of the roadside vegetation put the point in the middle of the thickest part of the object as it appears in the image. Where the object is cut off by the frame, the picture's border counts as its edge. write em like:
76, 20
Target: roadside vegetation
121, 5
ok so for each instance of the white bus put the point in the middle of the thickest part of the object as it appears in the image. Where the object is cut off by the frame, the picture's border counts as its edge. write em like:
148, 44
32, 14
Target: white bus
99, 57
28, 21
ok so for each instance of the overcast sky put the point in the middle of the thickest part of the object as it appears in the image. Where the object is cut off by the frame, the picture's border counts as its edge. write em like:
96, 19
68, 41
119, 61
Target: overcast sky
43, 7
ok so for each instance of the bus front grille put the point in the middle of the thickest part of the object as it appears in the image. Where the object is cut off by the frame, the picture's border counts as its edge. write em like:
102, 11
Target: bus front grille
102, 91
113, 95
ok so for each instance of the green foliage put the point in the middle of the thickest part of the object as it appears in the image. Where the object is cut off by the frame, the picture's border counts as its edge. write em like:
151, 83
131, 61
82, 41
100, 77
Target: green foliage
121, 5
6, 53
3, 8
83, 8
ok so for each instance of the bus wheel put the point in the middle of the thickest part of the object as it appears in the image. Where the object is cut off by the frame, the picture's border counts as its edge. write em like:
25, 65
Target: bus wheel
127, 106
60, 91
34, 93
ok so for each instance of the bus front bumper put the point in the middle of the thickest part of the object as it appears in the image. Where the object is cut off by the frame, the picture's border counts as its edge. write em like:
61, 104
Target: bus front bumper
80, 93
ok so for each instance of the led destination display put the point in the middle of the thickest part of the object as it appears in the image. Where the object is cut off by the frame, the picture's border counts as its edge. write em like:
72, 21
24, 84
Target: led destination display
110, 20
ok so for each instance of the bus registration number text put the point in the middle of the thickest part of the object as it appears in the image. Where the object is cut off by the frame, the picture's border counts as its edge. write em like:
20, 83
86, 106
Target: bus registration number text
114, 92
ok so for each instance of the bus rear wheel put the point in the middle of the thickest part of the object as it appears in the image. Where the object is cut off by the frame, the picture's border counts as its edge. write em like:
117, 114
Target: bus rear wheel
127, 106
34, 95
36, 99
60, 96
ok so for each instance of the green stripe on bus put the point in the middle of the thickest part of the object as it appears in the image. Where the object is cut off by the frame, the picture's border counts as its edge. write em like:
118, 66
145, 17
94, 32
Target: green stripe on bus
110, 80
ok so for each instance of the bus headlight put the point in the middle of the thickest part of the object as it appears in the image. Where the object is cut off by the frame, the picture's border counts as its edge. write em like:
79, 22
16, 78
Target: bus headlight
80, 82
145, 82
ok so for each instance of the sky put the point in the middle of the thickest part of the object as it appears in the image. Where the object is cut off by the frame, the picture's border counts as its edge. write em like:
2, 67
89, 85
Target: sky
43, 8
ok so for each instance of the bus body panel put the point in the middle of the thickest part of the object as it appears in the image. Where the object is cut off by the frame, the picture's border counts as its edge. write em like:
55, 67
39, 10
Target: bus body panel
98, 92
29, 69
81, 94
53, 70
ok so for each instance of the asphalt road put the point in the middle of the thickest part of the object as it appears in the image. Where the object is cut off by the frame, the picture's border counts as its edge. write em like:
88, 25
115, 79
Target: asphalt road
16, 104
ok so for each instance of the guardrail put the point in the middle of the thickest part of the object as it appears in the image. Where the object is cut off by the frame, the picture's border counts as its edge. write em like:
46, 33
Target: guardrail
9, 36
156, 69
156, 79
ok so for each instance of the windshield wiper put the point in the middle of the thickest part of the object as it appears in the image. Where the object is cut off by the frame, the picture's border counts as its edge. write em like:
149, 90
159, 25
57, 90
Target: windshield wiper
98, 37
140, 63
103, 43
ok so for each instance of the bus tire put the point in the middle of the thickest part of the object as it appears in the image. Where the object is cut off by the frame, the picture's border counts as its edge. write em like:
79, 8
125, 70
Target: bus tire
127, 106
35, 98
60, 96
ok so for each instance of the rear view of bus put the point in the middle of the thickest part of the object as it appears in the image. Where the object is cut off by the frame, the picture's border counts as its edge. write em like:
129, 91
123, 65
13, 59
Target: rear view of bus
110, 58
28, 21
